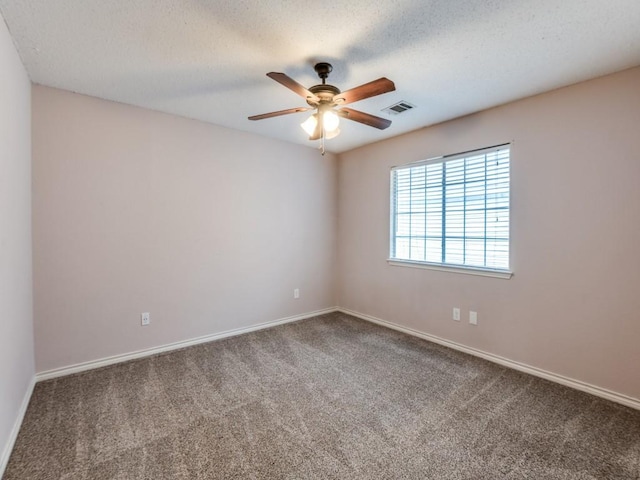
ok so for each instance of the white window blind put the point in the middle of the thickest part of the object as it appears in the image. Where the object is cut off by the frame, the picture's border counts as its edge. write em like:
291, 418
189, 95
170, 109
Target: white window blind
453, 210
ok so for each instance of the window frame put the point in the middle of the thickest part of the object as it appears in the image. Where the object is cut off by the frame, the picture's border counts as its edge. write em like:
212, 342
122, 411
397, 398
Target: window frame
505, 273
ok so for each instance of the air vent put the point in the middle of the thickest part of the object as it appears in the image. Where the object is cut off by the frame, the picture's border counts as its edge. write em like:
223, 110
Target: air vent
398, 108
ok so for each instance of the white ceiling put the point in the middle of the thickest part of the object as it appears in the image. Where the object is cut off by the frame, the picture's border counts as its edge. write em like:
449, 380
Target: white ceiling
207, 59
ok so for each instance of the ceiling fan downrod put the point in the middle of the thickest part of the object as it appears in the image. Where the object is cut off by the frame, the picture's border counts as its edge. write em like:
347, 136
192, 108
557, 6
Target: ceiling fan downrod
323, 69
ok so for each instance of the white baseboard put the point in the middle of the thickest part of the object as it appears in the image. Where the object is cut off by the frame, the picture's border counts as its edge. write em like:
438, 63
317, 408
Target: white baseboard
8, 448
554, 377
103, 362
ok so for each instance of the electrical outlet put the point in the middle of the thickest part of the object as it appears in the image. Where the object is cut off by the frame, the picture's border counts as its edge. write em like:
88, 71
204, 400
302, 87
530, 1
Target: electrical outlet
145, 318
296, 293
473, 318
456, 314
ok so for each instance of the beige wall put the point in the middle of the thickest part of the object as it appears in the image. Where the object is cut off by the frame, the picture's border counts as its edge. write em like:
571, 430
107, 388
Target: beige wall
16, 328
573, 305
208, 229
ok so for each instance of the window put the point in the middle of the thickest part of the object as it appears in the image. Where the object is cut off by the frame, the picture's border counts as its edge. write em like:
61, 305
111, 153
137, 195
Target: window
453, 212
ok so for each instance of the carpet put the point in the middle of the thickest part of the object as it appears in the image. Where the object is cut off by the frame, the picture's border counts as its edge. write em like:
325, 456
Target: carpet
331, 397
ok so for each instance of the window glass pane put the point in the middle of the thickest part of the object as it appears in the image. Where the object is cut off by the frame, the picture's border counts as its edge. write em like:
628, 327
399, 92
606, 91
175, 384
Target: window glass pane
474, 224
454, 170
403, 201
455, 251
454, 226
417, 249
498, 253
434, 223
402, 248
474, 252
403, 224
418, 225
434, 250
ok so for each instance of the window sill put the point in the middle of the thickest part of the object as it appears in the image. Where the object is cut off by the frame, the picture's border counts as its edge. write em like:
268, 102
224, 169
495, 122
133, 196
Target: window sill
483, 272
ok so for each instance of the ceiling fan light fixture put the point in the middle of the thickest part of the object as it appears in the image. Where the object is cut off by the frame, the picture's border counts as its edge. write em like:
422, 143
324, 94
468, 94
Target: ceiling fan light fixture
330, 121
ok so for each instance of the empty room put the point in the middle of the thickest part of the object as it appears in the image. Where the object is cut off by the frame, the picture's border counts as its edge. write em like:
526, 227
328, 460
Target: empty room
292, 240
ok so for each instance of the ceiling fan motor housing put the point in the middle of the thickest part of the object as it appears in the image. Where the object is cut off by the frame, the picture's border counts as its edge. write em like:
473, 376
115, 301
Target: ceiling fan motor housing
324, 92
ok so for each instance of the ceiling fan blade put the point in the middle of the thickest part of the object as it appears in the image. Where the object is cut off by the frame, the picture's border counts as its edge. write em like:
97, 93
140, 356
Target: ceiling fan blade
371, 89
292, 85
278, 113
367, 119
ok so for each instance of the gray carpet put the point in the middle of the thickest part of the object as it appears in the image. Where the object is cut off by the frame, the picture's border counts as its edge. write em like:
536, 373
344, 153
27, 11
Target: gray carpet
328, 397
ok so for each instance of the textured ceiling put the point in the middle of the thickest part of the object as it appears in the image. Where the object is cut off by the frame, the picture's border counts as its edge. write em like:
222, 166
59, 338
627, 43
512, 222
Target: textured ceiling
208, 59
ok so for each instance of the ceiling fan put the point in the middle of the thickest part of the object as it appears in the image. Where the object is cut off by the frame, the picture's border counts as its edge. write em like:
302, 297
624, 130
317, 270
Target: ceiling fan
323, 124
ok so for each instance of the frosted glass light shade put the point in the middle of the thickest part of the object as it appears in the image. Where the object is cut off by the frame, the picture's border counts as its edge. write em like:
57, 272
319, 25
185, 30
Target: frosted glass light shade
332, 134
331, 121
309, 125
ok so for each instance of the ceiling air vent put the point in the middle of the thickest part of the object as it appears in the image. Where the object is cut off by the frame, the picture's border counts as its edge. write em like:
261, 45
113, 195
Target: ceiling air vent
398, 108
